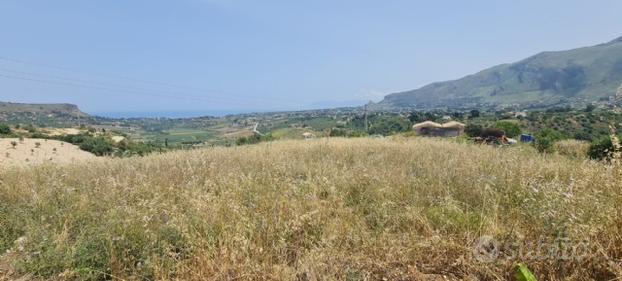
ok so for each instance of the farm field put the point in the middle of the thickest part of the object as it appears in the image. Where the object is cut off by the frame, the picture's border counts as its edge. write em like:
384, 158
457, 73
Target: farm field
327, 209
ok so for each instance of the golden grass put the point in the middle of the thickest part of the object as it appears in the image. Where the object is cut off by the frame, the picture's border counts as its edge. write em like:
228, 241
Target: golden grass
572, 148
338, 209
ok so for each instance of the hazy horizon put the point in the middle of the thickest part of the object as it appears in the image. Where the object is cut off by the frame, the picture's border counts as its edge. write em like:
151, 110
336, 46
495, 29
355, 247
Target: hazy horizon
242, 56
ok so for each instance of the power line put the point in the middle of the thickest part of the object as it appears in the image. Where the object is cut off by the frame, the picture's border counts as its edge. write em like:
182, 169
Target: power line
103, 86
203, 92
61, 83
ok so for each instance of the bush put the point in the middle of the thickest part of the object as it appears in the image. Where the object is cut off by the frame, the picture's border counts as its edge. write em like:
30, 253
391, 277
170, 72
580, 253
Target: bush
511, 129
544, 145
5, 129
98, 146
545, 140
473, 130
254, 139
601, 149
138, 148
30, 128
338, 132
583, 136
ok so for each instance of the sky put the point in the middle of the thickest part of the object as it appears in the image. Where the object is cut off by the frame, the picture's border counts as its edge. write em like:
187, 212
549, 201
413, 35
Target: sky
120, 56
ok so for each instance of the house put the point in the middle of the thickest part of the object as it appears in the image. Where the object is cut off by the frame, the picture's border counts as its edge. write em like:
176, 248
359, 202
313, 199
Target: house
433, 129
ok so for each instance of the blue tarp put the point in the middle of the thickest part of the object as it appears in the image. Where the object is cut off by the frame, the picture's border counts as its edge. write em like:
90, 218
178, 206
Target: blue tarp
526, 138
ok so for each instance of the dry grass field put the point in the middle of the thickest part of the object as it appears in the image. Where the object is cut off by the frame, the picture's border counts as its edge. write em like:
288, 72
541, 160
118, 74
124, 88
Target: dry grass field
338, 209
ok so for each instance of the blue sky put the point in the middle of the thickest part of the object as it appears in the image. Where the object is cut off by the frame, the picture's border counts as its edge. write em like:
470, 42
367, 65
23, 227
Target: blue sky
240, 55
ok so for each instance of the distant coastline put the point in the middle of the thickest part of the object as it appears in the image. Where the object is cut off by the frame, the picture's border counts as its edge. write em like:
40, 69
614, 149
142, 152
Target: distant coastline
171, 114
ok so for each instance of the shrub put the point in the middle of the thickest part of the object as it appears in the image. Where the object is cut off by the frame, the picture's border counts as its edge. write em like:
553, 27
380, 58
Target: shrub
473, 130
601, 149
338, 132
30, 128
511, 129
98, 146
583, 136
38, 135
545, 139
138, 148
5, 129
491, 132
544, 145
254, 139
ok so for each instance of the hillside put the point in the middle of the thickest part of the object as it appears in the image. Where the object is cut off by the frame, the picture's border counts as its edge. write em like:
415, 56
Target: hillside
43, 109
49, 114
573, 77
329, 209
38, 151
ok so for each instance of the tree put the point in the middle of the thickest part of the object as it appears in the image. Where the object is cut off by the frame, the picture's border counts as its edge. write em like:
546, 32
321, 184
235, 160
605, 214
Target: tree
511, 129
457, 115
474, 113
390, 126
416, 117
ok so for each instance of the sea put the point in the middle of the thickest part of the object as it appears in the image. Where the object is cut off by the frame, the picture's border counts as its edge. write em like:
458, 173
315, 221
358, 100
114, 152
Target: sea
172, 114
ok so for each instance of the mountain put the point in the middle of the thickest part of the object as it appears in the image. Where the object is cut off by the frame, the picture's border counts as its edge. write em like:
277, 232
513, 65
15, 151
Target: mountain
573, 77
7, 108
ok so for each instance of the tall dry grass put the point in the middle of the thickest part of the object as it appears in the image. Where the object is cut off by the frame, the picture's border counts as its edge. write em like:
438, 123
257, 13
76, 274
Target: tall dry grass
572, 148
355, 209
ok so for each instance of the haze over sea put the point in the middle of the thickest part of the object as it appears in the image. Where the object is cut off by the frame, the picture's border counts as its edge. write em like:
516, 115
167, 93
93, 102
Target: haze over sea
171, 114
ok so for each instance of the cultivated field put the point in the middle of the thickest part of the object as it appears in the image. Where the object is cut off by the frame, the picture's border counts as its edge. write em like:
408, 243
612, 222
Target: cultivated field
338, 209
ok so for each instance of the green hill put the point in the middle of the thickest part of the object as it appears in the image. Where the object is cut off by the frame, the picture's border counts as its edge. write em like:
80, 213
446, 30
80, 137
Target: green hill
48, 114
573, 77
61, 108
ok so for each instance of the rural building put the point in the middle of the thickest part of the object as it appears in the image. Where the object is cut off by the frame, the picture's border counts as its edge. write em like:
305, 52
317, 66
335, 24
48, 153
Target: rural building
433, 129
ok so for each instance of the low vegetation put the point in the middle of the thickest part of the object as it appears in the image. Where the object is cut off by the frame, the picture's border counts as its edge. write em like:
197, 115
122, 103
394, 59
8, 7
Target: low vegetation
572, 148
337, 209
